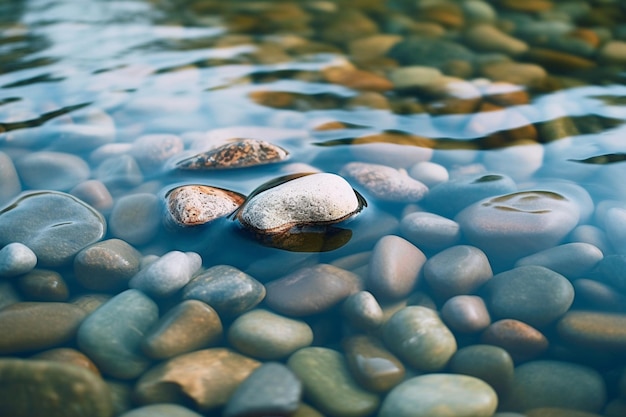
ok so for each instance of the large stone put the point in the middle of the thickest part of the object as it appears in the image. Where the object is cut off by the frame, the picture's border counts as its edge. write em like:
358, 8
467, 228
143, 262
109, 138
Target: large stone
492, 364
363, 311
596, 330
51, 170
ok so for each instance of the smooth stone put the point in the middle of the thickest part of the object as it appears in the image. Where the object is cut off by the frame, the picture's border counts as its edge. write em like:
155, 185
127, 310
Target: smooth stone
616, 232
450, 197
161, 410
429, 173
168, 274
385, 183
478, 11
429, 231
225, 288
31, 326
242, 153
271, 390
43, 285
55, 226
266, 335
573, 260
205, 377
435, 345
311, 290
371, 364
410, 77
189, 326
16, 259
112, 334
153, 150
533, 294
595, 295
595, 330
306, 410
94, 193
488, 38
10, 185
51, 170
458, 270
612, 270
107, 265
90, 302
520, 340
549, 383
136, 218
67, 356
119, 172
36, 388
394, 268
430, 52
613, 52
194, 205
577, 194
520, 160
593, 235
328, 384
8, 294
559, 412
492, 364
529, 75
391, 150
372, 47
440, 395
465, 314
121, 392
363, 311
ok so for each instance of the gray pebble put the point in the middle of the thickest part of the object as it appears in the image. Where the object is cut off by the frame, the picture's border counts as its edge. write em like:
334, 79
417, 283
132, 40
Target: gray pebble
119, 171
152, 151
492, 364
94, 193
168, 274
136, 218
16, 259
429, 231
107, 265
51, 170
466, 314
429, 173
573, 260
362, 311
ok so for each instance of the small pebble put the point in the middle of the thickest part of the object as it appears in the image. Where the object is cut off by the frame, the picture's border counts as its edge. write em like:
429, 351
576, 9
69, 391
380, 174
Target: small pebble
16, 259
573, 260
43, 285
135, 218
429, 173
240, 154
94, 193
107, 265
596, 330
57, 171
161, 410
119, 172
521, 341
168, 274
429, 231
152, 151
492, 364
362, 311
465, 314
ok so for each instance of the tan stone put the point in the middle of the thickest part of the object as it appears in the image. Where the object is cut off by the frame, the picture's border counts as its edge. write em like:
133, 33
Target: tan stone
527, 5
356, 79
490, 39
529, 75
606, 331
520, 340
69, 356
448, 15
614, 52
372, 46
558, 61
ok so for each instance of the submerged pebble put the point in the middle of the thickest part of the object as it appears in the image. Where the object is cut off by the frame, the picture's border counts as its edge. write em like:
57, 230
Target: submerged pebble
16, 259
240, 154
385, 183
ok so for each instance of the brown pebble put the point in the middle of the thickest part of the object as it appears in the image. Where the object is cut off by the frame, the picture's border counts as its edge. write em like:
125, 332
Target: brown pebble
527, 5
43, 285
558, 61
597, 330
373, 366
520, 340
530, 75
194, 205
241, 153
68, 355
357, 79
446, 14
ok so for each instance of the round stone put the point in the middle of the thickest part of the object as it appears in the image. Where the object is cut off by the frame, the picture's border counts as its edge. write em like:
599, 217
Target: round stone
161, 410
43, 285
136, 218
107, 265
385, 183
193, 205
8, 294
242, 153
492, 364
430, 52
596, 330
266, 335
55, 226
67, 356
94, 193
362, 311
573, 260
435, 345
168, 274
465, 314
612, 270
51, 170
119, 172
440, 395
429, 231
16, 259
152, 151
596, 295
520, 340
429, 173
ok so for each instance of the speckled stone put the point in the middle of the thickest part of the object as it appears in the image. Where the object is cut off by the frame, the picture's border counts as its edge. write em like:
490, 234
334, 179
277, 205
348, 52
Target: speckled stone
67, 356
429, 231
385, 183
573, 260
520, 340
107, 265
492, 364
363, 311
16, 259
597, 330
43, 285
465, 314
168, 274
194, 205
161, 410
240, 154
136, 218
57, 171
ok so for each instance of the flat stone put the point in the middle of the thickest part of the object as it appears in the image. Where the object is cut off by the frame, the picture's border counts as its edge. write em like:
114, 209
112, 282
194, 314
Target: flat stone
16, 259
311, 290
385, 183
9, 180
136, 218
168, 274
465, 314
266, 335
152, 151
488, 38
597, 330
271, 390
429, 231
520, 340
328, 385
111, 335
57, 171
492, 364
414, 77
36, 388
189, 326
242, 153
32, 326
55, 226
67, 356
225, 288
573, 260
43, 285
371, 364
429, 352
205, 377
440, 395
363, 311
107, 265
161, 410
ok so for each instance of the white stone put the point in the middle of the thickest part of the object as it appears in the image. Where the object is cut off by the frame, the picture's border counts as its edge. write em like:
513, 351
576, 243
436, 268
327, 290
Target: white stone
519, 161
385, 183
429, 231
16, 259
167, 274
429, 173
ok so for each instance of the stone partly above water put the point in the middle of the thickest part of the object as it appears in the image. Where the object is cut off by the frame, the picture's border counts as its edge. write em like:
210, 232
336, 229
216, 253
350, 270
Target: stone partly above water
193, 205
240, 154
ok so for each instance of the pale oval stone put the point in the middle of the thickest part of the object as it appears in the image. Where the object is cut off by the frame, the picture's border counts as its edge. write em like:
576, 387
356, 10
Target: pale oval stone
94, 193
384, 182
192, 205
119, 171
429, 173
107, 265
51, 170
414, 76
16, 259
596, 330
429, 231
153, 150
135, 218
362, 311
573, 260
168, 274
240, 154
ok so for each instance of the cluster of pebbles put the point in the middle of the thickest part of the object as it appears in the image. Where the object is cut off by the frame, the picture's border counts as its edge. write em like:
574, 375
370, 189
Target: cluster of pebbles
467, 285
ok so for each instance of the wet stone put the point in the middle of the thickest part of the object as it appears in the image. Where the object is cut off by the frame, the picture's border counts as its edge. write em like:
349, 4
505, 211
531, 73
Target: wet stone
193, 205
90, 302
597, 330
465, 314
429, 173
311, 290
266, 335
51, 170
488, 38
225, 288
136, 218
385, 183
240, 154
119, 171
440, 395
43, 285
414, 77
94, 193
328, 384
529, 75
111, 335
36, 388
107, 265
9, 181
520, 340
430, 52
67, 356
16, 259
559, 412
55, 226
8, 294
168, 274
596, 295
152, 151
189, 326
271, 390
429, 231
161, 410
573, 260
612, 270
362, 311
492, 364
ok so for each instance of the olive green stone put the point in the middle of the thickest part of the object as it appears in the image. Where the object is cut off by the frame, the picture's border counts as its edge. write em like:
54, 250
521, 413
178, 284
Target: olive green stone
34, 388
362, 311
328, 384
43, 285
490, 363
373, 366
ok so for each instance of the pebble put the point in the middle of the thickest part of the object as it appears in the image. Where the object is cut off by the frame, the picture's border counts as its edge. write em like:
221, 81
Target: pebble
591, 294
94, 193
429, 173
161, 410
429, 231
430, 52
32, 326
391, 149
372, 47
189, 326
440, 395
520, 340
592, 235
112, 334
413, 77
465, 314
16, 259
225, 288
394, 268
152, 151
54, 225
271, 390
573, 260
371, 364
9, 180
363, 311
119, 172
57, 171
458, 270
488, 38
207, 378
90, 302
616, 232
37, 388
612, 270
311, 290
240, 154
43, 285
67, 356
613, 52
478, 11
356, 79
168, 274
136, 218
549, 383
8, 294
385, 183
193, 205
435, 345
492, 364
520, 160
328, 384
596, 330
529, 75
107, 265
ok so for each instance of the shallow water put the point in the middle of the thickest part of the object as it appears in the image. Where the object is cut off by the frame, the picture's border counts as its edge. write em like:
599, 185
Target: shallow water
90, 78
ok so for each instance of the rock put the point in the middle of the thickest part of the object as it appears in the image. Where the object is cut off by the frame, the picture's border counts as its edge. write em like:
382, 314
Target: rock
616, 232
439, 395
57, 171
67, 356
573, 260
430, 52
31, 326
55, 226
265, 335
520, 159
429, 173
16, 259
362, 311
488, 38
521, 341
161, 410
90, 302
240, 154
559, 412
529, 75
311, 290
107, 265
205, 377
465, 314
347, 26
372, 47
227, 289
43, 285
394, 267
152, 151
35, 388
374, 367
596, 295
189, 326
8, 294
385, 183
193, 205
111, 335
270, 390
119, 172
429, 231
9, 180
327, 383
596, 330
168, 274
135, 218
478, 11
356, 79
612, 270
429, 352
414, 77
458, 270
492, 364
559, 61
613, 52
94, 193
